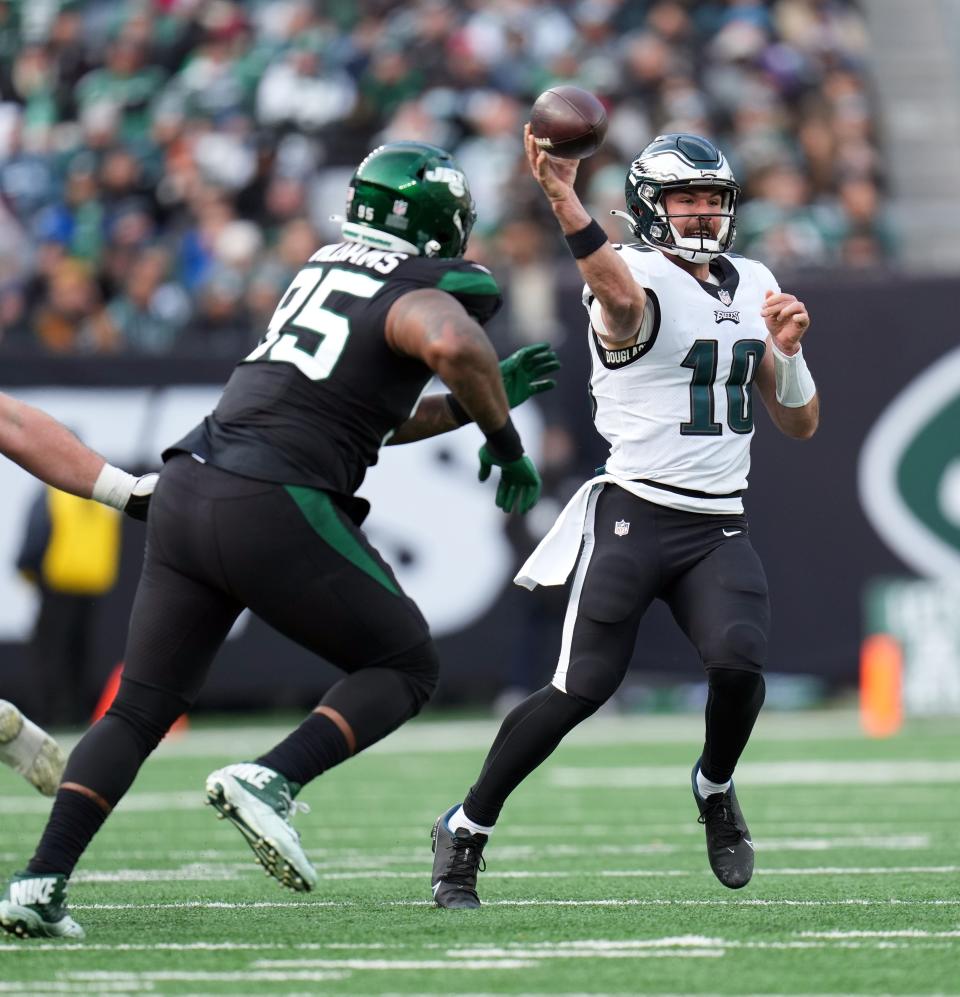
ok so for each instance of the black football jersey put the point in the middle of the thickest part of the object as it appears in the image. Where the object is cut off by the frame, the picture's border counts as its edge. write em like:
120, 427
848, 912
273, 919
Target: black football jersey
313, 402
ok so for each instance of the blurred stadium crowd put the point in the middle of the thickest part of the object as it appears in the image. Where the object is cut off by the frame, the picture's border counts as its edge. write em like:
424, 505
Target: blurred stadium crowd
167, 165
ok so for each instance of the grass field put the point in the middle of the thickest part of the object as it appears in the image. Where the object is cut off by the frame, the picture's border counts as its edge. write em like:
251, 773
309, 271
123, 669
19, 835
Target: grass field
597, 879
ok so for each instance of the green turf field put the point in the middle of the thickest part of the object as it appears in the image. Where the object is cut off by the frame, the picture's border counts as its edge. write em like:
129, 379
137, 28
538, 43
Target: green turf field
597, 879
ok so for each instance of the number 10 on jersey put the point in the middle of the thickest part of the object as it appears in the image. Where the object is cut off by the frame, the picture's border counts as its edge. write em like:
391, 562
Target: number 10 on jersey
702, 360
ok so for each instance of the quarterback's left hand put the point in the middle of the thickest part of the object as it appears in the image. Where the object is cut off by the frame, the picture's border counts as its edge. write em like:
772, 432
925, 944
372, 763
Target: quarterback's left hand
139, 502
524, 372
786, 319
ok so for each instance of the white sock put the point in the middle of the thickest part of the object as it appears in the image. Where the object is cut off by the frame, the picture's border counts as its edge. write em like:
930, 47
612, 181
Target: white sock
707, 788
460, 819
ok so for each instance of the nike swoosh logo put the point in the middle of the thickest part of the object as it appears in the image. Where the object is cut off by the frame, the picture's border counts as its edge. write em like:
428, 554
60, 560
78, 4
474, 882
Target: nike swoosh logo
436, 886
731, 533
747, 841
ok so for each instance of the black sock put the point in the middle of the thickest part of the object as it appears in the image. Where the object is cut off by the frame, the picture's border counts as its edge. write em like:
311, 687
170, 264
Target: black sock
733, 703
74, 820
528, 735
315, 746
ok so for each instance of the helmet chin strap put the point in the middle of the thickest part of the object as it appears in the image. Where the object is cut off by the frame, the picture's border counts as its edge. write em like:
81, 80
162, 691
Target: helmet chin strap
692, 254
695, 249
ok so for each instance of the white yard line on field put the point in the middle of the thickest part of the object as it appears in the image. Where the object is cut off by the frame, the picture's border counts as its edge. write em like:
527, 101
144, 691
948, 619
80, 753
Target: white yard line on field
932, 870
63, 987
200, 976
484, 952
905, 933
427, 736
607, 902
309, 970
203, 873
878, 773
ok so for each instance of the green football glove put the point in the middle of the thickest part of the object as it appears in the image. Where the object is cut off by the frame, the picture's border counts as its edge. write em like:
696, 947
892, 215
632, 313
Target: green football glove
524, 372
519, 481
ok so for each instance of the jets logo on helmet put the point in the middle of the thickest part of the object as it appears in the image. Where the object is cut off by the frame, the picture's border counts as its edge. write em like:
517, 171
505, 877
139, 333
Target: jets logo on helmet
410, 197
454, 179
676, 162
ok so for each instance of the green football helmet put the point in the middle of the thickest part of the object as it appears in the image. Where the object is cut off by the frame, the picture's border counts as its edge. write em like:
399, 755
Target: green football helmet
410, 197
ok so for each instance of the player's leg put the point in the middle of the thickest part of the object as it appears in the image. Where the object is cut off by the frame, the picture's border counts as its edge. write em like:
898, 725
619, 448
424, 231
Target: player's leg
332, 593
722, 605
29, 750
177, 624
615, 581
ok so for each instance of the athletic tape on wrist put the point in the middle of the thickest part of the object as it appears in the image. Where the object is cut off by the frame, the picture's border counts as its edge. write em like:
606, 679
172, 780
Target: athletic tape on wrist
588, 240
460, 415
113, 487
795, 387
504, 443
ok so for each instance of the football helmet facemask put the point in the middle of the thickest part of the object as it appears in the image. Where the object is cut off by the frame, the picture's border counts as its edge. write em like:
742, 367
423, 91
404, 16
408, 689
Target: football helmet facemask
410, 197
675, 162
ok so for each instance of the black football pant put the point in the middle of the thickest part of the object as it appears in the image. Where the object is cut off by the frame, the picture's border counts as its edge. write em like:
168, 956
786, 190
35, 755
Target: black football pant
217, 543
706, 570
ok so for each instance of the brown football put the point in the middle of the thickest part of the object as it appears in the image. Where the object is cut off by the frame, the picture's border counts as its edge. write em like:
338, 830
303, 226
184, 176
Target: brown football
568, 122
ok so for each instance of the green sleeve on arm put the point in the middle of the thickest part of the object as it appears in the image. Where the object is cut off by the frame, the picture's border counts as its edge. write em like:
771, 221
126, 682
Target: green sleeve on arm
468, 282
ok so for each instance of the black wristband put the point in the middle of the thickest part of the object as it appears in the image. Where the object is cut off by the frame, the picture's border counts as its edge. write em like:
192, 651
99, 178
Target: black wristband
460, 415
504, 443
588, 240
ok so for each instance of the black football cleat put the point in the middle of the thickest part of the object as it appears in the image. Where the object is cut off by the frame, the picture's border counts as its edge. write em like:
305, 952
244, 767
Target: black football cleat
729, 847
457, 858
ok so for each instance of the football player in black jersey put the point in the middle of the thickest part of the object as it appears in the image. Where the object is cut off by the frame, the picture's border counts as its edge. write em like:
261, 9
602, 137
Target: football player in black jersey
256, 508
48, 450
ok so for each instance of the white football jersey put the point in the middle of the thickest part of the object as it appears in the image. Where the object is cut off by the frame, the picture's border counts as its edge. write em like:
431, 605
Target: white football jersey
677, 407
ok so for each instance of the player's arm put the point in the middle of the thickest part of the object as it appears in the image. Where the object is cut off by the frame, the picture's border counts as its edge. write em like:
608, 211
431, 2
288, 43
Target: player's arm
50, 452
434, 327
784, 380
524, 373
622, 300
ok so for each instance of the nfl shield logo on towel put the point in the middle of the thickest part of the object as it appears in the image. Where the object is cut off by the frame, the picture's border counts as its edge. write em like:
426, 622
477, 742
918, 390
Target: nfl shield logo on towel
621, 528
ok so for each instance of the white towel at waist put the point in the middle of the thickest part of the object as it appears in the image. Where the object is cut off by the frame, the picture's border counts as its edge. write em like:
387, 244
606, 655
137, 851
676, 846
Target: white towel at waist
556, 554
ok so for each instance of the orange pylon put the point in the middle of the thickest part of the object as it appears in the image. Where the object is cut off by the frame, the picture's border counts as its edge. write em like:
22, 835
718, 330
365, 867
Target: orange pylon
881, 685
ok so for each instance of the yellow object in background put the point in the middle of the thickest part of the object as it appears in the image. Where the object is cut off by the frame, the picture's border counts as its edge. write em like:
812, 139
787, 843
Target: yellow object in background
83, 553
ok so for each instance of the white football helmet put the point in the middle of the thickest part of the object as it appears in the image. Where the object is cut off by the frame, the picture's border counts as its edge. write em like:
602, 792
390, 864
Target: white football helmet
672, 162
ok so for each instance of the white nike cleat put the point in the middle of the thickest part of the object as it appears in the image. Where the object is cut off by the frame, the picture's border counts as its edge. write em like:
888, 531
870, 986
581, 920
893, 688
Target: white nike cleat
259, 802
29, 750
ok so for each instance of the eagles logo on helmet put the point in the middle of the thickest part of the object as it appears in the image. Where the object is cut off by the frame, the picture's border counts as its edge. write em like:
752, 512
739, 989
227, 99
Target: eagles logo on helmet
674, 162
410, 197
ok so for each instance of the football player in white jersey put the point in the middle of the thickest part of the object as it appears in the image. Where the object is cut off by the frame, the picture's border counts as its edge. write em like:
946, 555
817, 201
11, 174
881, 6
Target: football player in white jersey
48, 450
680, 332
